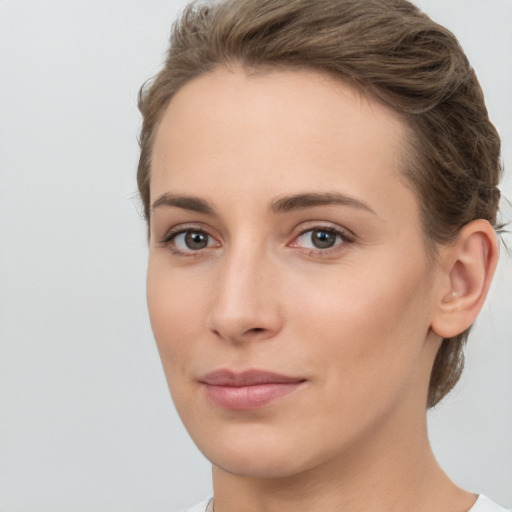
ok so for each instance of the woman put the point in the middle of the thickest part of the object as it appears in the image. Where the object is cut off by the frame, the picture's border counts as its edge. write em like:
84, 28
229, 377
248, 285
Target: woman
320, 185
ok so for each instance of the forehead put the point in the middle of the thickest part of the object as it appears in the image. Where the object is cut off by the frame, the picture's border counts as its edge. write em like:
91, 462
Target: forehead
276, 130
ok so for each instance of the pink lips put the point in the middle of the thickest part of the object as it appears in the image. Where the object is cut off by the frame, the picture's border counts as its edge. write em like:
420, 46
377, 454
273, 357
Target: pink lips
247, 390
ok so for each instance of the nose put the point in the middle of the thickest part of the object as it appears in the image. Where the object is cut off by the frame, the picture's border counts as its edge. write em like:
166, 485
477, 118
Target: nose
246, 302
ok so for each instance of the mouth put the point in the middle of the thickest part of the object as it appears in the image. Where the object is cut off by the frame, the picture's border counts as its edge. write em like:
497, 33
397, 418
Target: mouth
247, 390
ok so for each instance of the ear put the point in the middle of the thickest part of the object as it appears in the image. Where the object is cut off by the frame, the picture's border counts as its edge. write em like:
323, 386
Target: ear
467, 269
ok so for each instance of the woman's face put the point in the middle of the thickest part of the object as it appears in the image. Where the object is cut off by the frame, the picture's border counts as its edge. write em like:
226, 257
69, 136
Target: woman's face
289, 289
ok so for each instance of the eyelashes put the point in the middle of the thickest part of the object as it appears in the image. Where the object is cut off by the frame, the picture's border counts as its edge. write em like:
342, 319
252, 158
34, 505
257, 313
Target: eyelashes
315, 240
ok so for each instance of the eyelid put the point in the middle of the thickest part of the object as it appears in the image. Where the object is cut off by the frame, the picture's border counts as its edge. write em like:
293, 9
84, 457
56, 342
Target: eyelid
180, 228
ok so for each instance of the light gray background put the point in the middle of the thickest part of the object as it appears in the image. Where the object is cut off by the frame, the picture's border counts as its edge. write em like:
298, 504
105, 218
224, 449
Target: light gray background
86, 423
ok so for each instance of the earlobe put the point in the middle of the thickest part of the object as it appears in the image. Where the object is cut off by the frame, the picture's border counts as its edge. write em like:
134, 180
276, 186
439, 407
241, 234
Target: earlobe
467, 268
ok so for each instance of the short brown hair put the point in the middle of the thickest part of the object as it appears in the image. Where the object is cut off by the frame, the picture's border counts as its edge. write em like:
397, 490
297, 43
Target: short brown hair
388, 48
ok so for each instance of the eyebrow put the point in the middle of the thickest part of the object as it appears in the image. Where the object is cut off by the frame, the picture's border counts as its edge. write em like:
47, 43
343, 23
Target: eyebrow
194, 204
312, 199
281, 205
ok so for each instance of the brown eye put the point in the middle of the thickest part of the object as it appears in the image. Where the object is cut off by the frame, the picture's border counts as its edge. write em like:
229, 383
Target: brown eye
190, 240
323, 239
195, 240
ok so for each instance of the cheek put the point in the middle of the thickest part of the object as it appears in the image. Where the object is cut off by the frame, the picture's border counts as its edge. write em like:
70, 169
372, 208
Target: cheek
175, 312
368, 323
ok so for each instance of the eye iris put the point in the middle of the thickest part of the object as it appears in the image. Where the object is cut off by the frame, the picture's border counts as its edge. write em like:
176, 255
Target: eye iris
323, 239
196, 240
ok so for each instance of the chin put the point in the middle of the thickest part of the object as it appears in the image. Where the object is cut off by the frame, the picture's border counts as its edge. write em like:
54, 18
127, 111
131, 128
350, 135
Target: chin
256, 452
263, 465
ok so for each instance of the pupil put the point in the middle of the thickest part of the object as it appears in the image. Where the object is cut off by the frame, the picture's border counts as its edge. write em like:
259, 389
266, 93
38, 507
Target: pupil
323, 239
195, 240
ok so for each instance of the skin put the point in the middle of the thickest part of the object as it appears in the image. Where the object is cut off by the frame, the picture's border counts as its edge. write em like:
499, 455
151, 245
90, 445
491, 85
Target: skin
355, 321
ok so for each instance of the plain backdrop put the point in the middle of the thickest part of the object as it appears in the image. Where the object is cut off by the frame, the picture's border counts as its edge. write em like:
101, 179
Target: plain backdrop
86, 423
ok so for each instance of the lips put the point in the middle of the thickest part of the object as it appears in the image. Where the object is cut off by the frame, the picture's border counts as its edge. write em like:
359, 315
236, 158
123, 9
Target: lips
247, 390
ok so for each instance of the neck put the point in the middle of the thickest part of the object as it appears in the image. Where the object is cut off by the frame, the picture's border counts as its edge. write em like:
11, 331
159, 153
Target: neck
393, 471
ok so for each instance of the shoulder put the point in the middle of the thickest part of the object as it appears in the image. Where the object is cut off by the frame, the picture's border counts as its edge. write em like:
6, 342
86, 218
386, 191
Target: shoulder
484, 504
201, 507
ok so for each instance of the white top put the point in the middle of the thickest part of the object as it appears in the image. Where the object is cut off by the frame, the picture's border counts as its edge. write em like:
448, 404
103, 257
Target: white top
482, 504
200, 507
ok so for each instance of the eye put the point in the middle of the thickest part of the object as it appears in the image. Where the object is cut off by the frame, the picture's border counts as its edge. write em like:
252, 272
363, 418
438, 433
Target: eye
189, 240
193, 240
321, 238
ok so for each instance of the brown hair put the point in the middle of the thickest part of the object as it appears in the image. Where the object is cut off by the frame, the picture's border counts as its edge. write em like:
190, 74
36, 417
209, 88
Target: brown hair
388, 48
